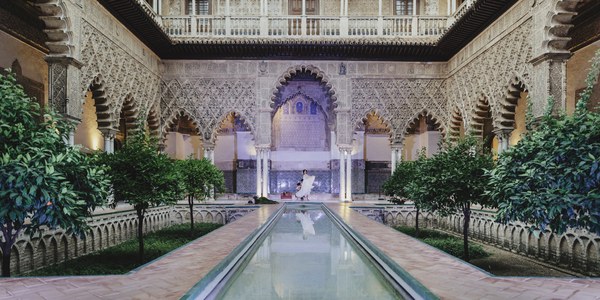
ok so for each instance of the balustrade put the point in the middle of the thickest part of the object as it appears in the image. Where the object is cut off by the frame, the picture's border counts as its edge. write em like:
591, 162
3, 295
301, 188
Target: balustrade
295, 26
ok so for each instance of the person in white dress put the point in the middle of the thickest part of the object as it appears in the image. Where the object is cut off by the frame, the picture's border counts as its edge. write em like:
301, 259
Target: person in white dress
307, 223
307, 186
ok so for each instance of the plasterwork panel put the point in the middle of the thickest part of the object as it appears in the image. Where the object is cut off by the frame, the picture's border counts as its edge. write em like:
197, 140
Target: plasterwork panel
123, 74
489, 73
208, 101
397, 101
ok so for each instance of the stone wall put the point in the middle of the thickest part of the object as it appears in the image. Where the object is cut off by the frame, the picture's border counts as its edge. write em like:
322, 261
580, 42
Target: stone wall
109, 229
577, 250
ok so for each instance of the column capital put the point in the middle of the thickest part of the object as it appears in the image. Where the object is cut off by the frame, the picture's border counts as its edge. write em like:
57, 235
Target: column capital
556, 56
263, 147
208, 146
502, 133
109, 132
63, 60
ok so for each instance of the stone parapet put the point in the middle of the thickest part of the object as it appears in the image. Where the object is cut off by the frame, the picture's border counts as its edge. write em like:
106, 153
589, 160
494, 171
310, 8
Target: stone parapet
577, 250
109, 229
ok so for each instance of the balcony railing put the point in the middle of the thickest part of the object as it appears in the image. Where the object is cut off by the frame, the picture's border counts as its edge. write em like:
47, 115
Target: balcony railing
304, 26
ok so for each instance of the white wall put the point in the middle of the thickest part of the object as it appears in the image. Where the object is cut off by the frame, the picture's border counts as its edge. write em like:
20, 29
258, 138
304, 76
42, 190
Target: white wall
415, 142
180, 146
245, 145
378, 147
225, 151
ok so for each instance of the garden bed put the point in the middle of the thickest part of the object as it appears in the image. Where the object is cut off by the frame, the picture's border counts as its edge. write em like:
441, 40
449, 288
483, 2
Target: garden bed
123, 258
491, 259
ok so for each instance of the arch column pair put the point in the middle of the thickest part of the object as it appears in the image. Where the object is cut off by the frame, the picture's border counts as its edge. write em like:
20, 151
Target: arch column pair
503, 139
396, 156
345, 173
209, 152
109, 140
263, 154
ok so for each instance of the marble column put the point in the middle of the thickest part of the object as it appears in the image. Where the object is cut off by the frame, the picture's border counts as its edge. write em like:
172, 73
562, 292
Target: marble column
209, 154
349, 175
259, 172
265, 172
109, 140
396, 156
503, 136
342, 175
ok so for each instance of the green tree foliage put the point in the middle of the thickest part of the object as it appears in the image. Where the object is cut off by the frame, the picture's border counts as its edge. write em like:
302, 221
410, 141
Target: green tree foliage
143, 177
551, 177
199, 177
43, 181
404, 184
455, 179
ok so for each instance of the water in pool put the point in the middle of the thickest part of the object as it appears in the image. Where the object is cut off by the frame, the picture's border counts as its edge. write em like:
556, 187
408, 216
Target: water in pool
305, 256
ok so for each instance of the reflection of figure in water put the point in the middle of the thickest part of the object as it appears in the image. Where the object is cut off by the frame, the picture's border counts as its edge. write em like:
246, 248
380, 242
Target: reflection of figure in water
307, 224
306, 186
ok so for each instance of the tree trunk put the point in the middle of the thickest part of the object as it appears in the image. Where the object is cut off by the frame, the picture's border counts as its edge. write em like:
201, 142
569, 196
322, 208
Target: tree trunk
467, 220
9, 239
191, 204
417, 223
140, 233
6, 249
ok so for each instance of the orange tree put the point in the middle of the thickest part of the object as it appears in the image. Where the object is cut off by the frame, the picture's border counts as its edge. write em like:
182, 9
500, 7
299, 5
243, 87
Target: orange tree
199, 177
143, 177
551, 178
43, 181
405, 183
455, 179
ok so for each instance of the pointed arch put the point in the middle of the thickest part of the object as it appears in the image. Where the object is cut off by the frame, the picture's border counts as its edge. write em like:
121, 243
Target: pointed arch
457, 125
28, 259
223, 118
98, 89
592, 254
427, 114
481, 115
43, 254
153, 121
64, 245
377, 114
289, 74
53, 251
173, 118
505, 118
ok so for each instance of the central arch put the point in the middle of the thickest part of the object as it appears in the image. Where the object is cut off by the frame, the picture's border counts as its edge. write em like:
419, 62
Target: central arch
304, 101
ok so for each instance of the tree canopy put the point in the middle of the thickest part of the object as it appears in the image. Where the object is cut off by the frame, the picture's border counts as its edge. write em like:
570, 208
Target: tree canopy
551, 178
43, 181
143, 177
199, 177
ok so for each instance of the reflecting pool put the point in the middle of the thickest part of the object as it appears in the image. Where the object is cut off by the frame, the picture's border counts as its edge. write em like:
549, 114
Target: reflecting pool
305, 256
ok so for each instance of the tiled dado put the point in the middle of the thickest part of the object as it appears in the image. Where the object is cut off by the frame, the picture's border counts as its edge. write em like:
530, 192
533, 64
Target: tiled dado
450, 278
168, 277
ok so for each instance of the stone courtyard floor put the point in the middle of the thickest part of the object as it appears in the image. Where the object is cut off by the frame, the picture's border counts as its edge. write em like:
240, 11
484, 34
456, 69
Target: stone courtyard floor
172, 276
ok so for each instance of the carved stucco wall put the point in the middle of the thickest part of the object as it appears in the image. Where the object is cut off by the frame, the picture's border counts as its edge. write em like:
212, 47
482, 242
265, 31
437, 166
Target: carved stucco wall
119, 62
488, 65
88, 44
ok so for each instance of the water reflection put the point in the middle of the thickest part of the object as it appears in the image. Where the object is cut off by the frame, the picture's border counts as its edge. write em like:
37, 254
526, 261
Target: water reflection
306, 257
